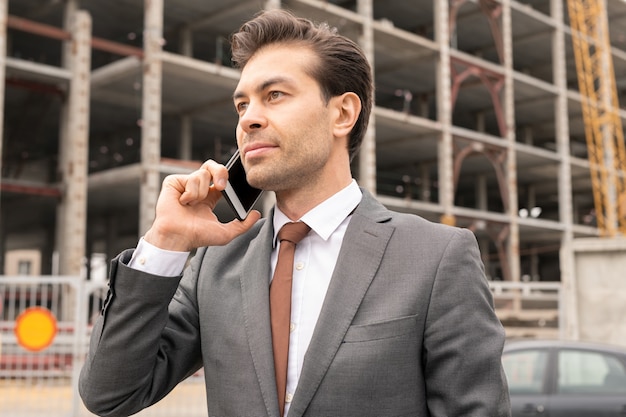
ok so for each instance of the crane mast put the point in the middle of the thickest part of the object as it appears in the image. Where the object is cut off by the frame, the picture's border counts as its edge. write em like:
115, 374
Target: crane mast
600, 108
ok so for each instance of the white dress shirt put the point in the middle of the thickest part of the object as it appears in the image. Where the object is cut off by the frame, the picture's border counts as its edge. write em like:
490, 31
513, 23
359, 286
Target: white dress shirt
314, 263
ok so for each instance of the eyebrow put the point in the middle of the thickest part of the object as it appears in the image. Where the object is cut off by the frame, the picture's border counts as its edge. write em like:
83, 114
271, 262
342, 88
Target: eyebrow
264, 85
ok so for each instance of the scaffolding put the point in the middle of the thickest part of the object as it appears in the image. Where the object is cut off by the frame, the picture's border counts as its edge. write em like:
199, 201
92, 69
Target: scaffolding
477, 121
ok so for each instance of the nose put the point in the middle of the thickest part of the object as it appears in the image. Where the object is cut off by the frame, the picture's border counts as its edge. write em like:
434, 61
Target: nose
253, 118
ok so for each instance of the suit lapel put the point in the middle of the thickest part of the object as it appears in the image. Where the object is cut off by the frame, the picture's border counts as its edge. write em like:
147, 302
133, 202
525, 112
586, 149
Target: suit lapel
255, 298
362, 250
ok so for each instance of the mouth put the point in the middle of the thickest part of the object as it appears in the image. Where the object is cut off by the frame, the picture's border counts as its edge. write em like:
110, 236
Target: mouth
256, 149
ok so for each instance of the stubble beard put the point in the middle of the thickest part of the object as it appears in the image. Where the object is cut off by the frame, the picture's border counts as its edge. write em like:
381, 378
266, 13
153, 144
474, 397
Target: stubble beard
290, 174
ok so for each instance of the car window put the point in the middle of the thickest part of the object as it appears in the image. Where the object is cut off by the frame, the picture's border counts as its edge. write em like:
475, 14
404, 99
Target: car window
525, 370
583, 372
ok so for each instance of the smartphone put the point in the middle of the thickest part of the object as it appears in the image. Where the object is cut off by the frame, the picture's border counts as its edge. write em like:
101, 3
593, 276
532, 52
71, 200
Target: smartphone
240, 195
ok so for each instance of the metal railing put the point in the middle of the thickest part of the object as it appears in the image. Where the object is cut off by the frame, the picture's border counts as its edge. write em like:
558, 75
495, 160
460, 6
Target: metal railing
529, 309
44, 383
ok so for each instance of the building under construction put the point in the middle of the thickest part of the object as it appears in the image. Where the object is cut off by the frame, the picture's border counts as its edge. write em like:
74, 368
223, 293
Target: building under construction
478, 120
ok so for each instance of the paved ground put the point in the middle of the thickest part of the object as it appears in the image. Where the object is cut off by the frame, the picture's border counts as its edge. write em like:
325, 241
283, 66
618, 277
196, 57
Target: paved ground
56, 399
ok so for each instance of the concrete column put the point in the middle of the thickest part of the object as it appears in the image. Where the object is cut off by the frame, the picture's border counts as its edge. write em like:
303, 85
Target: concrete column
566, 214
47, 251
511, 164
481, 192
367, 154
531, 196
444, 112
272, 4
600, 287
480, 121
74, 150
425, 183
534, 265
186, 138
3, 241
528, 138
151, 113
3, 61
70, 9
185, 45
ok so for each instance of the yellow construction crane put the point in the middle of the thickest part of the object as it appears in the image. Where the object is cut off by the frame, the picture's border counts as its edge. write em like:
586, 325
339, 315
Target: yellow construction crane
600, 107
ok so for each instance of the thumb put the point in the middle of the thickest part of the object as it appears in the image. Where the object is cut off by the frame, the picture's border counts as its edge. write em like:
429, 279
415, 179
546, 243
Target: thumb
238, 227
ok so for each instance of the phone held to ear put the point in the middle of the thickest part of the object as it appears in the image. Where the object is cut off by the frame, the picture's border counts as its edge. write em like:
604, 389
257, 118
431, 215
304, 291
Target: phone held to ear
240, 195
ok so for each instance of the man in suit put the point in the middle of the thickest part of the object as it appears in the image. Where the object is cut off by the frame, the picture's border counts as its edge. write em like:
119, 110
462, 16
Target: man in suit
391, 315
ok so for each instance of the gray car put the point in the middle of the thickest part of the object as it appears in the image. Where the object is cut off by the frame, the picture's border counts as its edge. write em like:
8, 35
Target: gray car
552, 378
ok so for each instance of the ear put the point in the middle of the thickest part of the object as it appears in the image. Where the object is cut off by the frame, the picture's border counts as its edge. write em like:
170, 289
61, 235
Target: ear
348, 109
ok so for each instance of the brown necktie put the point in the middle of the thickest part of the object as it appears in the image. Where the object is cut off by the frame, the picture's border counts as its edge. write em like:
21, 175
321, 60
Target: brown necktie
280, 302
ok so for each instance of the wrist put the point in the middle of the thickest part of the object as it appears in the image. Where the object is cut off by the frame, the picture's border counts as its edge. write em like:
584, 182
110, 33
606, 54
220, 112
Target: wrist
166, 241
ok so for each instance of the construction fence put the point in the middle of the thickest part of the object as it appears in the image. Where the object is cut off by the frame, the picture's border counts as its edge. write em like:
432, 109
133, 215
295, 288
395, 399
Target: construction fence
45, 323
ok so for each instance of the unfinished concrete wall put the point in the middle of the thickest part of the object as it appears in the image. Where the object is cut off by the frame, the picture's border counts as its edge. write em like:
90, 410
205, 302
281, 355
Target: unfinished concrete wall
600, 289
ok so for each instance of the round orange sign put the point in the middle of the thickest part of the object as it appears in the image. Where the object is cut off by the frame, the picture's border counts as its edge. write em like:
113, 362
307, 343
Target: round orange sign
35, 328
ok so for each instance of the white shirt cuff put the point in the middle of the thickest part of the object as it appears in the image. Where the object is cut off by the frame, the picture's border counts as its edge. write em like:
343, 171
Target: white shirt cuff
152, 260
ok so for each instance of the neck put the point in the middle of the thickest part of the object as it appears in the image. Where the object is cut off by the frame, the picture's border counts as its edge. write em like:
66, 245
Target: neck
296, 203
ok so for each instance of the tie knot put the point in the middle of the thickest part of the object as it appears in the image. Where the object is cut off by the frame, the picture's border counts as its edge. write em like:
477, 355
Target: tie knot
293, 232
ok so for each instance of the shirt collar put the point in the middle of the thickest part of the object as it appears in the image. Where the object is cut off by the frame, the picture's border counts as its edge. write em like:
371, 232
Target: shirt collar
326, 217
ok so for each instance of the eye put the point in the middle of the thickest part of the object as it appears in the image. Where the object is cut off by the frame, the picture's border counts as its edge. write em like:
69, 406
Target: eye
275, 95
241, 107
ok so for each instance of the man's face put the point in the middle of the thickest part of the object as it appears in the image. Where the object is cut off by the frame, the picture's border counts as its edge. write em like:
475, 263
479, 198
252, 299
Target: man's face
284, 131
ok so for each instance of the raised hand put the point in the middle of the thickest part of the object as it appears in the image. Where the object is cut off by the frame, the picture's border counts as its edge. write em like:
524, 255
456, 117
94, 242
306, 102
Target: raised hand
184, 213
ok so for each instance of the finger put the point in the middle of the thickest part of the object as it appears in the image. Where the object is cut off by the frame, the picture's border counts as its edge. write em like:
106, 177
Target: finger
193, 188
237, 227
219, 173
198, 183
173, 186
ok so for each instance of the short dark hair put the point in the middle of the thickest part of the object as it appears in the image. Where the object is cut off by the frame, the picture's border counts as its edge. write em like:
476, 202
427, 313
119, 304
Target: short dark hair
342, 66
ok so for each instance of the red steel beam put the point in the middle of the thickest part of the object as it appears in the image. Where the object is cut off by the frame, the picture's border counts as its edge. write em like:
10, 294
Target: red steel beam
31, 190
30, 26
35, 86
116, 47
49, 31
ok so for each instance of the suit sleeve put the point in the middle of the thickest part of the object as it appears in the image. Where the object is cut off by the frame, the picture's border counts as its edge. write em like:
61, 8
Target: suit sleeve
143, 343
463, 338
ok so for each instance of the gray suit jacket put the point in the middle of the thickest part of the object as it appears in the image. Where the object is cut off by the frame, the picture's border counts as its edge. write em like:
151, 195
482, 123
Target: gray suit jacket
407, 329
